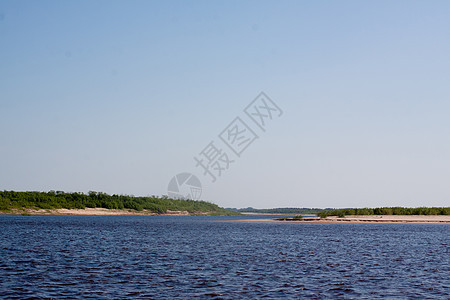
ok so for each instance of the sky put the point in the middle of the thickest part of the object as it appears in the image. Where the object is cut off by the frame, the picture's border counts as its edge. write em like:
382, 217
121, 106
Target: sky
121, 96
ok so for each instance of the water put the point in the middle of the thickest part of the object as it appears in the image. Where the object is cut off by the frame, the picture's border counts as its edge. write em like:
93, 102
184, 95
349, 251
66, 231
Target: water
205, 257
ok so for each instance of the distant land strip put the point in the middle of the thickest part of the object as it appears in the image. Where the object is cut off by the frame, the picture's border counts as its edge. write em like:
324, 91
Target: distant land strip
326, 212
379, 211
362, 219
380, 215
280, 210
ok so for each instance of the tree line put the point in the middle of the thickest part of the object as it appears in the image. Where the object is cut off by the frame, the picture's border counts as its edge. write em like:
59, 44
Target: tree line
386, 211
58, 199
281, 210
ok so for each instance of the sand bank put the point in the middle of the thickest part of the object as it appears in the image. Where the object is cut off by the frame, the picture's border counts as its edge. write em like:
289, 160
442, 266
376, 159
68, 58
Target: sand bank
95, 212
367, 219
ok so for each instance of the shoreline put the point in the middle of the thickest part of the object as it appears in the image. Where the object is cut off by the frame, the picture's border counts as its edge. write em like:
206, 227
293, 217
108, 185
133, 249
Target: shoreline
370, 219
356, 219
96, 212
265, 214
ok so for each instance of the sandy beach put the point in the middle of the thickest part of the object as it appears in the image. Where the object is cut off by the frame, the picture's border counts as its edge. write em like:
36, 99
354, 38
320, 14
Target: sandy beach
95, 212
385, 219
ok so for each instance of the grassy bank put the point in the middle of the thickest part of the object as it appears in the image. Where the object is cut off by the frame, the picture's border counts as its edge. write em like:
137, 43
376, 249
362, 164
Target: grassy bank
11, 200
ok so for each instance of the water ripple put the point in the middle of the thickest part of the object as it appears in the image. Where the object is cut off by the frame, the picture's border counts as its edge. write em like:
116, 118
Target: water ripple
187, 257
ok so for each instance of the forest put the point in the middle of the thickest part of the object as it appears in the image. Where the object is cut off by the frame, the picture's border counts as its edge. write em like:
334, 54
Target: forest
57, 199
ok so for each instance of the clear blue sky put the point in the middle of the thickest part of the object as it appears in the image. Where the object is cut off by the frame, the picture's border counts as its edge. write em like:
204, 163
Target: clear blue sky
119, 96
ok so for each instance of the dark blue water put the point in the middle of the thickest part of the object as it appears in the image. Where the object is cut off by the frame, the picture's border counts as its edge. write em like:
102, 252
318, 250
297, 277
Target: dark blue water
204, 257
